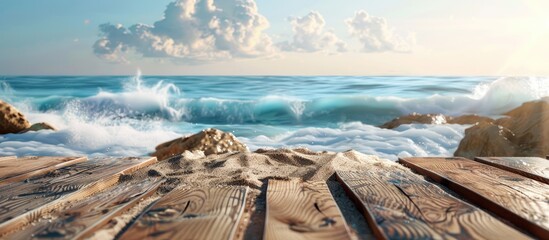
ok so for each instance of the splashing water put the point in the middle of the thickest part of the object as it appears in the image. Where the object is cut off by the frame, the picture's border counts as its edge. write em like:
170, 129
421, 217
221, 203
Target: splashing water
131, 115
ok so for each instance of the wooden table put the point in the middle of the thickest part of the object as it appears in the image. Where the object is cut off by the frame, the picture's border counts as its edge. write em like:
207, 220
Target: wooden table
441, 198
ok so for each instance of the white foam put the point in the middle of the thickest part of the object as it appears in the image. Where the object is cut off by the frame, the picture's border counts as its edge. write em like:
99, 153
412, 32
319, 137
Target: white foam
78, 137
407, 140
118, 133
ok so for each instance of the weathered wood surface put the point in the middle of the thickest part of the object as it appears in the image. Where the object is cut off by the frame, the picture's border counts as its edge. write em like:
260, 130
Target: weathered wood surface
532, 167
302, 210
401, 205
80, 220
25, 202
26, 167
208, 213
520, 200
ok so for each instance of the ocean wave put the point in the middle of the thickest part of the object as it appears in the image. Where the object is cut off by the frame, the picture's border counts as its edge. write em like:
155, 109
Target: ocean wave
78, 137
165, 101
99, 139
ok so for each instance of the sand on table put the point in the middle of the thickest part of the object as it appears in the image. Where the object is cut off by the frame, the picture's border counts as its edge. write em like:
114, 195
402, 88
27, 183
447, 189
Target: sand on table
193, 169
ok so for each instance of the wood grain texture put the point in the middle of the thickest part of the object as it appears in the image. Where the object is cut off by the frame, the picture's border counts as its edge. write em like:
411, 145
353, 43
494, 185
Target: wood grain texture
302, 210
26, 167
80, 220
400, 205
25, 202
520, 200
76, 221
532, 167
207, 213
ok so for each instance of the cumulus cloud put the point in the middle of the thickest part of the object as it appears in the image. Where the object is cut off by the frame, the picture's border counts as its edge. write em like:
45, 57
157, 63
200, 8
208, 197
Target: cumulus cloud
375, 35
192, 31
310, 35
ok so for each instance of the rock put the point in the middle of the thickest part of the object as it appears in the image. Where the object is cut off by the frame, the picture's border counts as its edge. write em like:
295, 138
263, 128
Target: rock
416, 118
210, 141
469, 119
524, 132
41, 126
11, 120
486, 139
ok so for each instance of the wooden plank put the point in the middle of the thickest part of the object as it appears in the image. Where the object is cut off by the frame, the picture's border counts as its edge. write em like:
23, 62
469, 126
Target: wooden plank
25, 202
80, 220
400, 205
302, 210
520, 200
206, 213
27, 167
531, 167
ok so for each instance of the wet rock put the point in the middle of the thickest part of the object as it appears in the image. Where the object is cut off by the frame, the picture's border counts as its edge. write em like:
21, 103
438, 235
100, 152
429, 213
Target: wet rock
524, 132
41, 126
469, 119
416, 118
210, 141
486, 139
11, 120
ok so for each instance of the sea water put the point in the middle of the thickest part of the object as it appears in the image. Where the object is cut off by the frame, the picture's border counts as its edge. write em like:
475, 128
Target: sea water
130, 115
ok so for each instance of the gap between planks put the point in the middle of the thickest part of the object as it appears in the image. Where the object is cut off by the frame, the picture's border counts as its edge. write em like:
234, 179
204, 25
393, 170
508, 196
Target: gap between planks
20, 169
17, 222
531, 167
515, 198
82, 219
401, 205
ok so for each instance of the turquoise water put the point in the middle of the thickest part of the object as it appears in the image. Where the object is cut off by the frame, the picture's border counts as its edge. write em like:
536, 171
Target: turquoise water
129, 115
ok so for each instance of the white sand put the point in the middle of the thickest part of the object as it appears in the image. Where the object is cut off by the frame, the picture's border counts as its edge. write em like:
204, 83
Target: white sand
193, 169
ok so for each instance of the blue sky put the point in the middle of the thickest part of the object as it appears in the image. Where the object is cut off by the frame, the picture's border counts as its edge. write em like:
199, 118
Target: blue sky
286, 37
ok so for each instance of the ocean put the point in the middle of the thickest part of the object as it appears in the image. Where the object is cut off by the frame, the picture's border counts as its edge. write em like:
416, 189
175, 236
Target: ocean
130, 115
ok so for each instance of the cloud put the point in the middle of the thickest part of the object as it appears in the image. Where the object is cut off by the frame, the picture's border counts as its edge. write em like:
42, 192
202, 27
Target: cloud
192, 31
310, 35
375, 35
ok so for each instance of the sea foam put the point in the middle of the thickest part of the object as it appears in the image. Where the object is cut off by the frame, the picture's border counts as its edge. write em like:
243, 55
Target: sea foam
166, 101
133, 120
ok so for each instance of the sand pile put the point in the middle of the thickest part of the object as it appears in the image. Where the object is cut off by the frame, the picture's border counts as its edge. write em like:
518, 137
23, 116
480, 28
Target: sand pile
194, 169
250, 169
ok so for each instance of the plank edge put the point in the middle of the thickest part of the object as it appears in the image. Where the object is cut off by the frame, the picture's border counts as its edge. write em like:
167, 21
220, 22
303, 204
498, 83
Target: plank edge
362, 208
94, 187
478, 200
514, 170
42, 171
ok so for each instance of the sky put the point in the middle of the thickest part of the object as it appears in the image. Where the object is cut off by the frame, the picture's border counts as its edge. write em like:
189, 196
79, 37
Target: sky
275, 37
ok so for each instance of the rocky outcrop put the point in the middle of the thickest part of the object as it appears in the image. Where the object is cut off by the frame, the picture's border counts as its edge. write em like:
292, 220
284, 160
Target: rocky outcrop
486, 139
11, 120
469, 119
524, 132
416, 118
41, 126
210, 141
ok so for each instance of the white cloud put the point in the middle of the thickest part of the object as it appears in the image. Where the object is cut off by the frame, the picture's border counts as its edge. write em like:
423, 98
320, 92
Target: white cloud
375, 35
192, 31
310, 35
